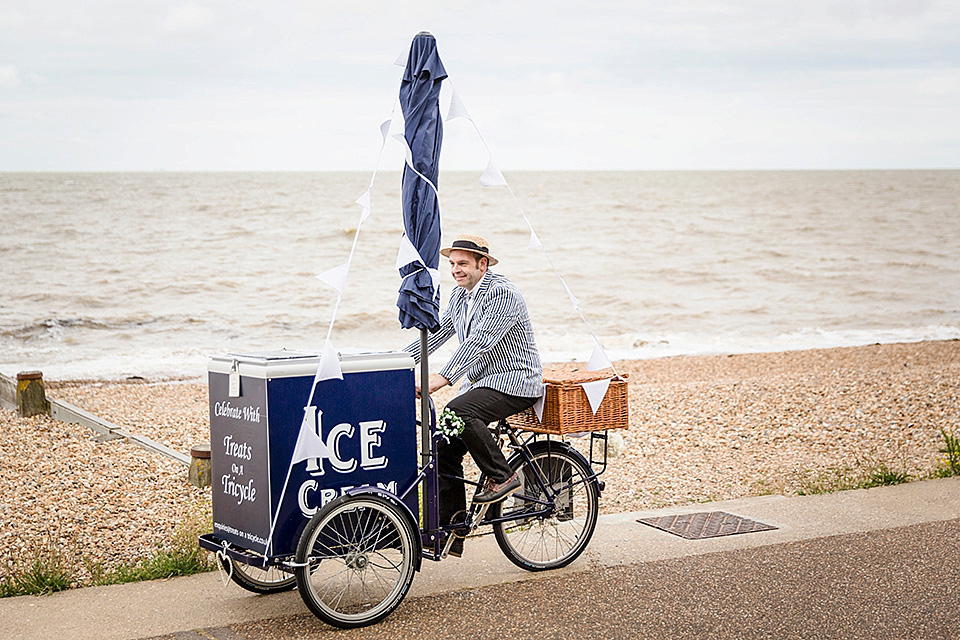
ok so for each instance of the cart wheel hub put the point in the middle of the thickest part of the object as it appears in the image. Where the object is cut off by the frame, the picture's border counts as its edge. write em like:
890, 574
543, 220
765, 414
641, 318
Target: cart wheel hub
359, 562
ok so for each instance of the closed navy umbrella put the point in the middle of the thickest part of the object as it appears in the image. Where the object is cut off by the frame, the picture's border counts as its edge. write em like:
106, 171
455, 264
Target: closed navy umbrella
419, 304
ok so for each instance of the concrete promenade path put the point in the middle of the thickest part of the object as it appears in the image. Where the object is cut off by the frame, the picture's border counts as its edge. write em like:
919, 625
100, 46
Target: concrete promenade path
874, 563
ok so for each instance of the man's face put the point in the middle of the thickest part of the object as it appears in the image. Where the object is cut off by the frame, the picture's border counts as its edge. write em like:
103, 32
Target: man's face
467, 268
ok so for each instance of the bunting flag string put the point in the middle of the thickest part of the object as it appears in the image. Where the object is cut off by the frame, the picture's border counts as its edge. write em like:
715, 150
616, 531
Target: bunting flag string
309, 443
457, 109
407, 255
337, 276
598, 359
541, 401
365, 206
534, 241
492, 176
573, 299
329, 368
385, 127
408, 153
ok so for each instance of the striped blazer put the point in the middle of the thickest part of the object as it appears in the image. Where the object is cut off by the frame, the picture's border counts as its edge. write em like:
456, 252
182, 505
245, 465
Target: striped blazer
497, 348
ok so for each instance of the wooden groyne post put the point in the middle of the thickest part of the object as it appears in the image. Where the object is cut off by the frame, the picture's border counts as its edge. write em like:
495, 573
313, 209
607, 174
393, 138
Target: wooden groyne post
25, 394
199, 474
31, 397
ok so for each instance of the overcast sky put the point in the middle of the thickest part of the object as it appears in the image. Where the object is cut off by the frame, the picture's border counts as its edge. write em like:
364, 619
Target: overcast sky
551, 84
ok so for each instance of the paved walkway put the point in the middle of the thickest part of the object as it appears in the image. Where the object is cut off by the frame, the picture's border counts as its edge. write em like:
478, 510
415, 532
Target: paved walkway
881, 562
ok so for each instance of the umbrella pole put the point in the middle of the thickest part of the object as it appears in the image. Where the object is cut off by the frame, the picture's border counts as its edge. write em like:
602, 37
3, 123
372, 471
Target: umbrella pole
426, 452
431, 506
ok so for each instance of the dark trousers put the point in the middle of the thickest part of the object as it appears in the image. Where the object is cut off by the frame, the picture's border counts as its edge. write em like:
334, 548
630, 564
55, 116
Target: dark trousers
477, 408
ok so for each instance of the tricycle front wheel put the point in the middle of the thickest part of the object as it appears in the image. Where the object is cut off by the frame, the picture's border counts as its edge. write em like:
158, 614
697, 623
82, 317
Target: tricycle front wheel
356, 560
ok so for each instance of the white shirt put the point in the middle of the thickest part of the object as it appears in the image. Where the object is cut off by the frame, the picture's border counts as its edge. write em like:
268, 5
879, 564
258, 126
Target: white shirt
471, 294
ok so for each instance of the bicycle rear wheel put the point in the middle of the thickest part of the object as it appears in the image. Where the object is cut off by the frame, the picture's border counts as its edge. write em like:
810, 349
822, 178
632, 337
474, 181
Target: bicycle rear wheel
557, 537
357, 558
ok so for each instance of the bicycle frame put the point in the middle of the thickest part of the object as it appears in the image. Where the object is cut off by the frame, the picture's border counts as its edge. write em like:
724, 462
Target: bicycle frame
436, 538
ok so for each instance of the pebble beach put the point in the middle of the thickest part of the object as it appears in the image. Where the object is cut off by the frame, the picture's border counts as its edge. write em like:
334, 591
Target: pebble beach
702, 428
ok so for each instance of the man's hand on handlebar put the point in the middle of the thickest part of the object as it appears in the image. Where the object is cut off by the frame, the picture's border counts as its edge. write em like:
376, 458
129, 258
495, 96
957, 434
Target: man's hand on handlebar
437, 381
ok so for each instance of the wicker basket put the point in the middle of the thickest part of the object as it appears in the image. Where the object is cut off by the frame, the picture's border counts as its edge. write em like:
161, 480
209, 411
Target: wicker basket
567, 409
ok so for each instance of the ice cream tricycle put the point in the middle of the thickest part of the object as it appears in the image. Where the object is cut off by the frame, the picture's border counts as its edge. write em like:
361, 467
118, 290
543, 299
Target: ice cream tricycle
320, 482
350, 529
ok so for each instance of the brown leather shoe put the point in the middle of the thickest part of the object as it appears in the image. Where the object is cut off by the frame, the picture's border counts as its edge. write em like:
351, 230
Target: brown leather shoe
495, 492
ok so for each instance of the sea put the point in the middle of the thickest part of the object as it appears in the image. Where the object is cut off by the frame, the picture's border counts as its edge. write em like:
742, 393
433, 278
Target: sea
115, 275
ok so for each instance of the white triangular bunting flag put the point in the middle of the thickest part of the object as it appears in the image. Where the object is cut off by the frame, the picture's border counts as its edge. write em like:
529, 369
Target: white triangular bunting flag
534, 241
573, 298
336, 277
598, 359
329, 367
492, 177
435, 276
457, 108
309, 443
401, 60
406, 148
385, 128
595, 391
538, 406
408, 253
364, 200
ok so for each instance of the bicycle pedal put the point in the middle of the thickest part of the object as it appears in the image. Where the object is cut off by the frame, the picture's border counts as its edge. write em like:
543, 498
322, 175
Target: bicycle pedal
479, 515
452, 547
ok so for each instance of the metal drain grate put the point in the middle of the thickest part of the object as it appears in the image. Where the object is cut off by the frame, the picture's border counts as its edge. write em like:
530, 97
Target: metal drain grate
709, 524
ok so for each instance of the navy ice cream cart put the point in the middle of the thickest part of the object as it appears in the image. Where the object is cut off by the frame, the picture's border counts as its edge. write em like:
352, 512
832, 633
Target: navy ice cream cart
257, 406
330, 496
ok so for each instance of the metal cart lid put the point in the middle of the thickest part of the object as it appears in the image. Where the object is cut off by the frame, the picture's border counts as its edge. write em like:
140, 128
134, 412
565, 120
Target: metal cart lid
288, 363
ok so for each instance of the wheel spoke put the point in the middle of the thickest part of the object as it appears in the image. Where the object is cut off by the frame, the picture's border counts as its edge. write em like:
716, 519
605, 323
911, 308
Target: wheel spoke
390, 565
563, 537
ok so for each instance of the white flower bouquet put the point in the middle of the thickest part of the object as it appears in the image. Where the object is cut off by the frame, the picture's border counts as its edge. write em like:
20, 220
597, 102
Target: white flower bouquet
450, 425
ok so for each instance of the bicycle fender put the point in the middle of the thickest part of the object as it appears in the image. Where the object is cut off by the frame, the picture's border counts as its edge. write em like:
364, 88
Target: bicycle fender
553, 445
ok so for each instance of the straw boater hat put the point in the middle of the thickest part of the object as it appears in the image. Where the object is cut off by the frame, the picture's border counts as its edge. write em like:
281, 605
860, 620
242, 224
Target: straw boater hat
475, 244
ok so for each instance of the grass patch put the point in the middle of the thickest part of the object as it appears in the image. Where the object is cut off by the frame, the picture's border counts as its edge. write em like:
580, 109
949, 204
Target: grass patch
181, 556
826, 481
870, 472
47, 571
950, 462
866, 473
883, 476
